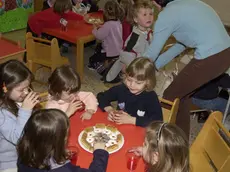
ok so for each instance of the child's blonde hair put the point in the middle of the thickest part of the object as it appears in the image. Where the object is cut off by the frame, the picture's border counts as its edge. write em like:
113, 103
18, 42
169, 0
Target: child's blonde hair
113, 11
142, 69
138, 5
172, 146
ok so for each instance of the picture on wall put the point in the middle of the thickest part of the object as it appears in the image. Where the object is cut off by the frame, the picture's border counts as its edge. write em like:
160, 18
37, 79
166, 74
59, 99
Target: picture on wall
14, 14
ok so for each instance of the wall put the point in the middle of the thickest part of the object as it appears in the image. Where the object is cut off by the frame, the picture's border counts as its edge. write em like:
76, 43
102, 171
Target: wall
14, 14
222, 7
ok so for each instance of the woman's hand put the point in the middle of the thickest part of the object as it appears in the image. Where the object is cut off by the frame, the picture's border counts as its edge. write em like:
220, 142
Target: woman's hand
30, 101
124, 118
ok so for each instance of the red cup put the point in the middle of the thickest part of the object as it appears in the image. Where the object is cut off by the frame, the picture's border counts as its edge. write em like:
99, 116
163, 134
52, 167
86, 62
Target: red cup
132, 160
73, 154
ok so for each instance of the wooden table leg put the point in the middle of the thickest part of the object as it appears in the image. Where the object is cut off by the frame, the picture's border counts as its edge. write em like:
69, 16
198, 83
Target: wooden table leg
80, 58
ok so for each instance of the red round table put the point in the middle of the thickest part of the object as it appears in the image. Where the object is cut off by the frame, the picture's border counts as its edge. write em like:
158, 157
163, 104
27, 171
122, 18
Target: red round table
134, 136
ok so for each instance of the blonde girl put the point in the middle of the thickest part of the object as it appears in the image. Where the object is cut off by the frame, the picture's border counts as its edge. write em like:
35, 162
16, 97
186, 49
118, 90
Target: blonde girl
137, 101
165, 149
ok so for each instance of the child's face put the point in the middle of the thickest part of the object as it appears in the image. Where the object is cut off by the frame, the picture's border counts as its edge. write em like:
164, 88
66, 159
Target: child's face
135, 86
19, 93
68, 97
144, 18
152, 160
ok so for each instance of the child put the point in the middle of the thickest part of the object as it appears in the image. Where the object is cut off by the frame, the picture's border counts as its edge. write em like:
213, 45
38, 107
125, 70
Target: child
52, 17
64, 85
48, 4
42, 146
110, 33
139, 39
16, 105
165, 148
126, 24
136, 99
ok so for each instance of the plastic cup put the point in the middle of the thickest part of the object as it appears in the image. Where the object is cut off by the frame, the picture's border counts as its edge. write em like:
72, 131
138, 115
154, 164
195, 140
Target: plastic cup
132, 160
73, 154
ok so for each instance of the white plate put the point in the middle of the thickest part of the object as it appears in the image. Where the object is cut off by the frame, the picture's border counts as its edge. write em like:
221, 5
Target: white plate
119, 145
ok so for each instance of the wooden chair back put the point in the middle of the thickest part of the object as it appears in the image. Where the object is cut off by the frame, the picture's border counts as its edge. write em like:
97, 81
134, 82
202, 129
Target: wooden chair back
211, 149
169, 115
43, 52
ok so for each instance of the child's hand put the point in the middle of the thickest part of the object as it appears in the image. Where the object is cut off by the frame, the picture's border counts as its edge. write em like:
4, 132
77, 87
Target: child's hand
99, 145
124, 118
86, 17
110, 111
30, 101
96, 26
87, 115
73, 107
137, 150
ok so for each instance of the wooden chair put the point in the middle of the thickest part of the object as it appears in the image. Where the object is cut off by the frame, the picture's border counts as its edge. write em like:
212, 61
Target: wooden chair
169, 115
43, 52
211, 149
43, 99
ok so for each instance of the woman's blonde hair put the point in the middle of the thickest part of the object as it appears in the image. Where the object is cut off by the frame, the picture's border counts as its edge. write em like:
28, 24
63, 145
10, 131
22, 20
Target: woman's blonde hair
172, 146
142, 69
147, 4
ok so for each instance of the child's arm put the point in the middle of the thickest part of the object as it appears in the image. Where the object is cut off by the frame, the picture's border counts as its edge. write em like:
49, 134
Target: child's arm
100, 161
153, 111
11, 127
102, 32
105, 98
90, 101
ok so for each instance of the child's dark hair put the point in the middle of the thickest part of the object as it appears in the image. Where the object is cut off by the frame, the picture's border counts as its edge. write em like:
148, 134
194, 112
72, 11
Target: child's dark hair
61, 6
163, 3
12, 73
127, 7
113, 11
172, 146
142, 69
137, 6
63, 78
44, 137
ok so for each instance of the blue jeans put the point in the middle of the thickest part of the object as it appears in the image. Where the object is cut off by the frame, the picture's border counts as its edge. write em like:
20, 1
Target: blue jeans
217, 104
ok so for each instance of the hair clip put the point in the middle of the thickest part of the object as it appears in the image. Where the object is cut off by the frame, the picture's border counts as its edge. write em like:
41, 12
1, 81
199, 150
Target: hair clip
159, 132
4, 88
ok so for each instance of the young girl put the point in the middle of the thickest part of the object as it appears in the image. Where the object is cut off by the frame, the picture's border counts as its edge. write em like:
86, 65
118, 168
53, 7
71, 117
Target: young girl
137, 102
16, 105
165, 148
110, 33
64, 85
138, 41
126, 24
42, 146
52, 17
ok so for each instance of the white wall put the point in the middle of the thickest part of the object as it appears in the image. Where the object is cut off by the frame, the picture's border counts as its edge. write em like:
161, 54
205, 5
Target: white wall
222, 7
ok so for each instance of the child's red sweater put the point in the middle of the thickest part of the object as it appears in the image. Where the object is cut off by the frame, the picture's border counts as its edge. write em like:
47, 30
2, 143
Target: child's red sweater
49, 19
126, 30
